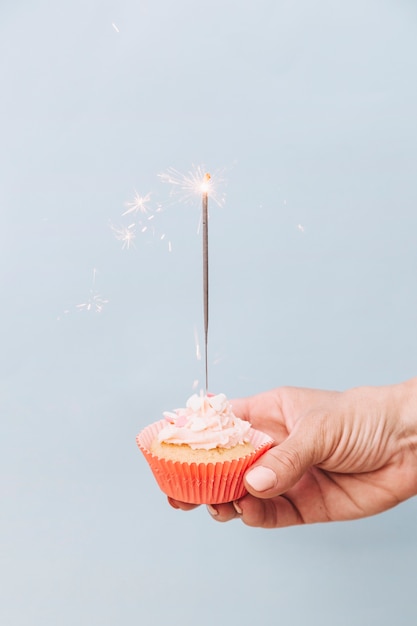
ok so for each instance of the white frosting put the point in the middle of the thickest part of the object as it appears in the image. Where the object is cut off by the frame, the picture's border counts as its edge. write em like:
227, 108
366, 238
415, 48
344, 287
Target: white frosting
207, 422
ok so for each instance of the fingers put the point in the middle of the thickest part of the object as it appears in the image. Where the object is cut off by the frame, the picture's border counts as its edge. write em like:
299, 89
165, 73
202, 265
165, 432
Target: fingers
259, 409
184, 506
219, 512
281, 468
254, 512
222, 512
241, 407
274, 513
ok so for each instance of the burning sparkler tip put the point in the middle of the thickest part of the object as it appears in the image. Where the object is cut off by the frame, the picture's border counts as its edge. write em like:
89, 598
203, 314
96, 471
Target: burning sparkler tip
195, 182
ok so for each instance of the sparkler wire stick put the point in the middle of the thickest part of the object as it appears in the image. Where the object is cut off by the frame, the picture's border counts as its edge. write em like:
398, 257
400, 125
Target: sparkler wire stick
205, 270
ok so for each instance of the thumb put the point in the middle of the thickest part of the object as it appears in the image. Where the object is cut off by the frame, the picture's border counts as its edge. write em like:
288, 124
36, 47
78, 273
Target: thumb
281, 468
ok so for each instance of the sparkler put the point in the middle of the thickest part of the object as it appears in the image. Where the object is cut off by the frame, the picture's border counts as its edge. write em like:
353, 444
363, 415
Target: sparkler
205, 190
186, 186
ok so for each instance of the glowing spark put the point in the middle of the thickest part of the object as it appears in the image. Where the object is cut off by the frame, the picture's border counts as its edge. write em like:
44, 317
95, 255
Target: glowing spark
139, 210
125, 234
162, 237
195, 383
95, 302
138, 204
194, 183
300, 227
115, 27
197, 345
205, 185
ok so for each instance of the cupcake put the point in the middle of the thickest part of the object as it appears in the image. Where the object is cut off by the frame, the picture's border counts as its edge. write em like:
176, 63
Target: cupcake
200, 453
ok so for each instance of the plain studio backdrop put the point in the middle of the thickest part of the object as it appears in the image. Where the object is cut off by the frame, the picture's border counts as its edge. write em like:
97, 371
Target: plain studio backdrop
304, 112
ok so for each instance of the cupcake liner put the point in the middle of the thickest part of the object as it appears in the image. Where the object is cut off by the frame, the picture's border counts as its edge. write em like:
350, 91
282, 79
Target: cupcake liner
201, 483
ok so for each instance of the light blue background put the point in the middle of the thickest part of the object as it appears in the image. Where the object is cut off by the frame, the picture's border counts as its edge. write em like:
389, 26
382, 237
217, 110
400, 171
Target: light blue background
309, 107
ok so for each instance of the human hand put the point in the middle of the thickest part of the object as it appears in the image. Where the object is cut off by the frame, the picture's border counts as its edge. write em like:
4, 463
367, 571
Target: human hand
338, 455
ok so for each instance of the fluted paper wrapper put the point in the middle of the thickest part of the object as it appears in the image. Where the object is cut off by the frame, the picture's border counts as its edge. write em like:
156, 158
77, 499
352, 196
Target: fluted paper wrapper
201, 483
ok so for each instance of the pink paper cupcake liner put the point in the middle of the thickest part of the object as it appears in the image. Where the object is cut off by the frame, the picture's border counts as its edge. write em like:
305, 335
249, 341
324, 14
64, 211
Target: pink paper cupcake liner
201, 483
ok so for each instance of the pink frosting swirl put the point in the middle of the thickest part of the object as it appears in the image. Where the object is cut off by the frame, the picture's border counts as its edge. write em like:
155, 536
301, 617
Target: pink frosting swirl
207, 422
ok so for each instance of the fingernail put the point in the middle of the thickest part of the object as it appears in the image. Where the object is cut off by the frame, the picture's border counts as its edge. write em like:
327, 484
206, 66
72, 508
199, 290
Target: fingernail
213, 512
237, 508
261, 478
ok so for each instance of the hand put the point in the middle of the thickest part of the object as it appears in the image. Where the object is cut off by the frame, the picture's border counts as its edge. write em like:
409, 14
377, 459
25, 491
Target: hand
338, 455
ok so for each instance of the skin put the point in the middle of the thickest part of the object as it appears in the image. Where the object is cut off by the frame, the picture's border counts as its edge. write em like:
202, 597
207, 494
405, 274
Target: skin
338, 455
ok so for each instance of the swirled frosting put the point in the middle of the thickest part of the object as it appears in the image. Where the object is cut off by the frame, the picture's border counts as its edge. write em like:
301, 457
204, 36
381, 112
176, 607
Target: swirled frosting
206, 422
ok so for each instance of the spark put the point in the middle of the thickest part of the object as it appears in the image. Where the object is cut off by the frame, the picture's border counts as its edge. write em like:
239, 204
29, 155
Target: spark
143, 217
300, 228
95, 301
197, 345
194, 183
126, 234
115, 27
139, 204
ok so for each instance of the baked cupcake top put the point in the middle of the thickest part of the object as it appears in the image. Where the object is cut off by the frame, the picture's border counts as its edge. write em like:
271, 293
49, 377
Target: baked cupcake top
205, 423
